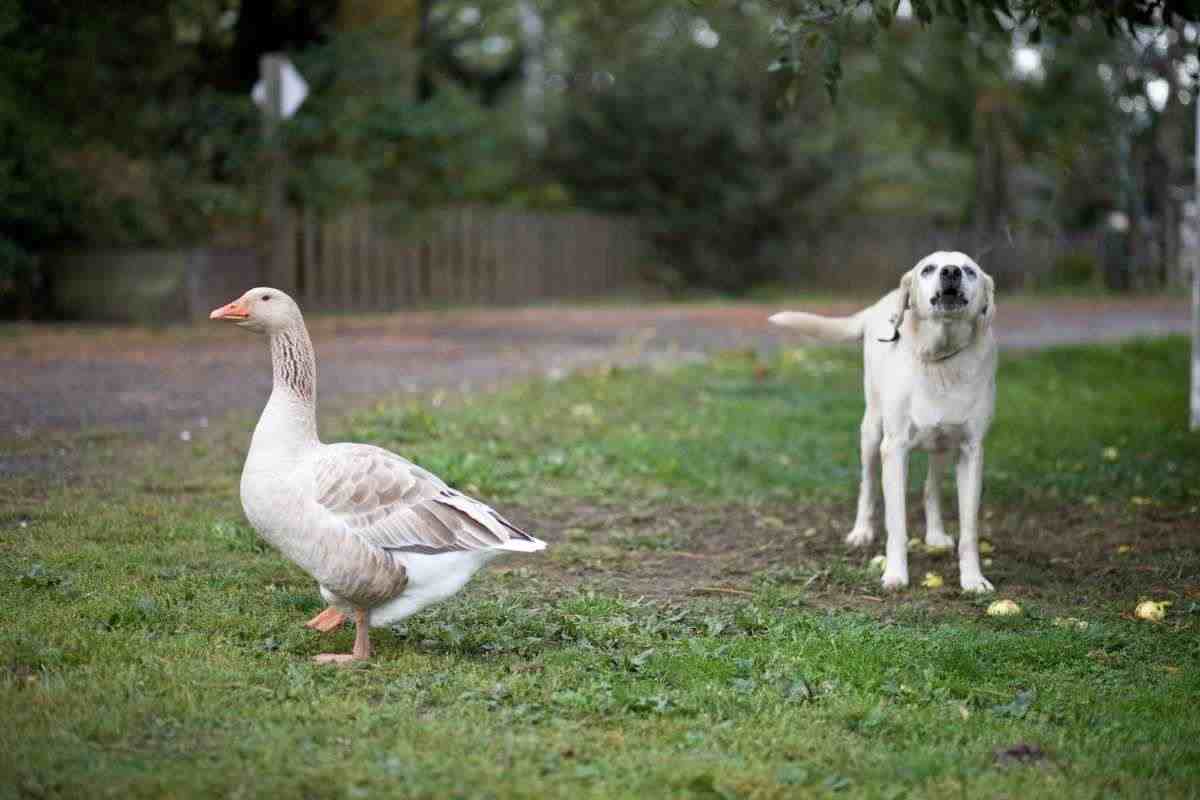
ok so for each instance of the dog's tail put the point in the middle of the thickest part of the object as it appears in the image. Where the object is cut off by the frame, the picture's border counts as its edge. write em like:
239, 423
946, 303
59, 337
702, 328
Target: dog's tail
829, 329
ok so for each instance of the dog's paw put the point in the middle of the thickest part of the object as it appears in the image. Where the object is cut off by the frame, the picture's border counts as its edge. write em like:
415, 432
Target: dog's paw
860, 537
894, 581
976, 584
938, 540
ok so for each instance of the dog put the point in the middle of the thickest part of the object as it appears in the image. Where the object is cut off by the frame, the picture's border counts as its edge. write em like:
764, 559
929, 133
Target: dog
929, 359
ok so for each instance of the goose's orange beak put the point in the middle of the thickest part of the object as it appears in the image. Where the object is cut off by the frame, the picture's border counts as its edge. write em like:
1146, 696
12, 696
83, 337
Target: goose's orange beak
234, 311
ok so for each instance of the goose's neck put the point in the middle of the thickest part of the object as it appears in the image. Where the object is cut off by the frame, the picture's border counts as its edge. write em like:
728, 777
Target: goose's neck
294, 363
288, 425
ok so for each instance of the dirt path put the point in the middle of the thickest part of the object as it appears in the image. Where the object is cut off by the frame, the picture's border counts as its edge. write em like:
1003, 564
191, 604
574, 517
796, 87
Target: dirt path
726, 551
67, 378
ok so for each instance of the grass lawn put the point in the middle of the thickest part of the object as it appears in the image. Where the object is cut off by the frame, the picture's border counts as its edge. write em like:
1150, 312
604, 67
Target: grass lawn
695, 630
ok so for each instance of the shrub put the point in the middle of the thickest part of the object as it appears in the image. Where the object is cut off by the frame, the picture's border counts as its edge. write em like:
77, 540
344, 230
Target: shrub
697, 142
1073, 270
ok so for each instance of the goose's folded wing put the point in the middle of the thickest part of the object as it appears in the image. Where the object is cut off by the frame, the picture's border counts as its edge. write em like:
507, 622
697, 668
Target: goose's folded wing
391, 503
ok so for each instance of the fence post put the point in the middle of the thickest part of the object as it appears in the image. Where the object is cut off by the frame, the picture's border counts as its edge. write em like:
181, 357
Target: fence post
1195, 422
271, 71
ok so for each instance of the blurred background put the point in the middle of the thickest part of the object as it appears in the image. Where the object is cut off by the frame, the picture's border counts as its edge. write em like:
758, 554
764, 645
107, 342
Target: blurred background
482, 152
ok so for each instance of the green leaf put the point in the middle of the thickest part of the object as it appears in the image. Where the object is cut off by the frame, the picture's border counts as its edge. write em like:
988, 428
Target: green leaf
885, 12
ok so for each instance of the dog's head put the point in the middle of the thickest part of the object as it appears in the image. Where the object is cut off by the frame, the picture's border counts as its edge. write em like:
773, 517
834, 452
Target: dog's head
944, 285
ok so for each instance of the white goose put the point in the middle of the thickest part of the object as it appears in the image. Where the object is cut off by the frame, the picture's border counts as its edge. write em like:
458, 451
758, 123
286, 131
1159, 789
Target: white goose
383, 537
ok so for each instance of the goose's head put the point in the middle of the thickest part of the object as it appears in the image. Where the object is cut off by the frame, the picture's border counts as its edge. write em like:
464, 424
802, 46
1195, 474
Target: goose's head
263, 310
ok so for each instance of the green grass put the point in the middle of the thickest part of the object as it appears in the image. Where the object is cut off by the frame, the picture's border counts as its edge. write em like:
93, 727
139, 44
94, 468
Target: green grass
151, 645
1072, 423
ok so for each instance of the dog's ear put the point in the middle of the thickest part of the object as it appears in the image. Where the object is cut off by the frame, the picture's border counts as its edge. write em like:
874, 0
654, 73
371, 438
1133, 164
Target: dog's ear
987, 311
891, 331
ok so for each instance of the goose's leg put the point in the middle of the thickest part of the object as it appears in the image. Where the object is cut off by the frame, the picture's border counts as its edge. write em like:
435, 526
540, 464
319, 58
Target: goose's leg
362, 643
362, 639
326, 621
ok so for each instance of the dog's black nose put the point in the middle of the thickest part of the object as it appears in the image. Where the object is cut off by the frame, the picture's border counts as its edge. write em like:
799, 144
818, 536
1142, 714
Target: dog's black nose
951, 274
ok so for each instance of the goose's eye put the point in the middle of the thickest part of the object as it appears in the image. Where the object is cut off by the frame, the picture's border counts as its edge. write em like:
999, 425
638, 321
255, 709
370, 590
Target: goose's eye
929, 269
266, 297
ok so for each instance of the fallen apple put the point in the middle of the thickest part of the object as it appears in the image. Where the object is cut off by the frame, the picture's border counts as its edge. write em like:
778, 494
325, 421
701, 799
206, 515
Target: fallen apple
1151, 610
1003, 608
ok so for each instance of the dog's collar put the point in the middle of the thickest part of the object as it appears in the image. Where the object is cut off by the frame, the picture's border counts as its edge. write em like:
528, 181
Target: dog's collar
895, 337
951, 354
948, 356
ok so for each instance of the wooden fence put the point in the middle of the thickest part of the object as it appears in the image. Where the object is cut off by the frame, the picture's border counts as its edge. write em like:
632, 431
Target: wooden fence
365, 260
872, 253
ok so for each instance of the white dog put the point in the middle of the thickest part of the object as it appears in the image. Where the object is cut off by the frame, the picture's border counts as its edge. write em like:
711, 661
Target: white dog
930, 376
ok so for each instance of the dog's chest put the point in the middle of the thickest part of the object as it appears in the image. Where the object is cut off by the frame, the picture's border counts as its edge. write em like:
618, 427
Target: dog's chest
942, 420
939, 436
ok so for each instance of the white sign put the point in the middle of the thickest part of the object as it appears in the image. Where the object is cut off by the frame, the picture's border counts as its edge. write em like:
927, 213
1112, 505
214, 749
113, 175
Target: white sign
293, 89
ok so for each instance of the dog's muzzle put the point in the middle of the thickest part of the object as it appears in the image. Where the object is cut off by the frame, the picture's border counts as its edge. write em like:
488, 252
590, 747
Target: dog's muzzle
950, 298
950, 294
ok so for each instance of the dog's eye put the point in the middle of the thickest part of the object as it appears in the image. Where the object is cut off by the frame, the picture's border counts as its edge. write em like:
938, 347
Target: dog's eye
970, 273
928, 270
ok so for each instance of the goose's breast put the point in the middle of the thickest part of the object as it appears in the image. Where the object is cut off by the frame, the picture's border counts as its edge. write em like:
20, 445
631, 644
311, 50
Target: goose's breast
273, 502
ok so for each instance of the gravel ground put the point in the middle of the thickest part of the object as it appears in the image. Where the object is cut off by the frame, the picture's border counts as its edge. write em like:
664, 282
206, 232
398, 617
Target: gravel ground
133, 379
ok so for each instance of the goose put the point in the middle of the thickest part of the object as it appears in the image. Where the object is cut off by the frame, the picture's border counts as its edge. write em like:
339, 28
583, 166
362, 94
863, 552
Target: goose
383, 537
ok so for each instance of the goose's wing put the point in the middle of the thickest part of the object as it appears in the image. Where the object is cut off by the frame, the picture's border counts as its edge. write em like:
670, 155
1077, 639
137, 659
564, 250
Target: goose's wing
389, 502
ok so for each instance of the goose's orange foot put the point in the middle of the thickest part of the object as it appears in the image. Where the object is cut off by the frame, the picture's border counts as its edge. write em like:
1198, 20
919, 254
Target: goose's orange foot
362, 643
326, 621
340, 659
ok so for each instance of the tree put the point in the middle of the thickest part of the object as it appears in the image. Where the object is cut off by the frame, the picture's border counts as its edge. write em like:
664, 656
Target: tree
680, 128
451, 48
1091, 124
959, 123
266, 26
809, 33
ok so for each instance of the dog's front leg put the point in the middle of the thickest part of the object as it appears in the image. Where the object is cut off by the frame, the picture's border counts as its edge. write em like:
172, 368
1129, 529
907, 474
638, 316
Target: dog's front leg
895, 479
868, 488
970, 486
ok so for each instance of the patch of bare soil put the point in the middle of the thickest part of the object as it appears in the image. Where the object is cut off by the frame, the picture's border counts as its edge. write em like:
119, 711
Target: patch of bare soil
1066, 561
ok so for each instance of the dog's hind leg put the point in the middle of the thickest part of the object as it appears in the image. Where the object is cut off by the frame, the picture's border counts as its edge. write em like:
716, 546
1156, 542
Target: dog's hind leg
868, 488
894, 454
935, 529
